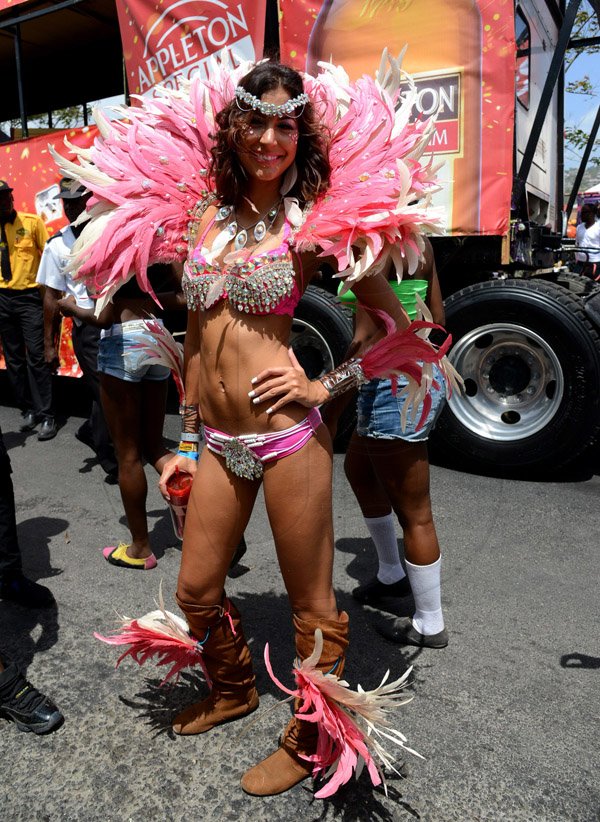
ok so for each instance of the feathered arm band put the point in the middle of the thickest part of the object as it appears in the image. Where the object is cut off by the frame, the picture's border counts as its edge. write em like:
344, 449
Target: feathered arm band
408, 352
352, 725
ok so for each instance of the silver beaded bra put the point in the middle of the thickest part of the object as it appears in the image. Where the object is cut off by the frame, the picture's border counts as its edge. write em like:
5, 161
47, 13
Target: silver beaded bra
264, 284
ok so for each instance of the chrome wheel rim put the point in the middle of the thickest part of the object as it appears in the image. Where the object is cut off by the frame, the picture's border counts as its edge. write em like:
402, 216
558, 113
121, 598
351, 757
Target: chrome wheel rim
514, 382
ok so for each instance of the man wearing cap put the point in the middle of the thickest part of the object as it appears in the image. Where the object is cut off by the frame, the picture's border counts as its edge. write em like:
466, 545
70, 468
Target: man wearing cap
22, 240
58, 281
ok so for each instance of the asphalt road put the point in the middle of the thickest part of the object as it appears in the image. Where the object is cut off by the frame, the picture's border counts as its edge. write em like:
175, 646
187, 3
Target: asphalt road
507, 717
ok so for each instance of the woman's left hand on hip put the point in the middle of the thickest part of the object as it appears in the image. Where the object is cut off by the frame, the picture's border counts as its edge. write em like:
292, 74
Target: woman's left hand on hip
286, 384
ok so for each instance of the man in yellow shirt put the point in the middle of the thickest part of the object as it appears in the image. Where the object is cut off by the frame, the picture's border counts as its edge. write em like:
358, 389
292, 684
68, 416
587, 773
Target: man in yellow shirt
22, 240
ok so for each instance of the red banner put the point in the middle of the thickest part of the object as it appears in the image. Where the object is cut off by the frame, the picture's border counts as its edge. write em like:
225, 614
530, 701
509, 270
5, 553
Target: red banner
10, 4
462, 56
28, 167
167, 42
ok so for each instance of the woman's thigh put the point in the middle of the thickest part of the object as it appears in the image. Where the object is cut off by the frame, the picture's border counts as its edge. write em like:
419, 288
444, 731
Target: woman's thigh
402, 469
154, 403
121, 403
363, 479
298, 496
217, 515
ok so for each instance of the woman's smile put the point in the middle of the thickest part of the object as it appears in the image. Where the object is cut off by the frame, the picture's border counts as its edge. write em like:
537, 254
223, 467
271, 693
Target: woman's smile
270, 142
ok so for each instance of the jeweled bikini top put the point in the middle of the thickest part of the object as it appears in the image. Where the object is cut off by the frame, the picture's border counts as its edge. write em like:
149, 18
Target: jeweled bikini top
263, 284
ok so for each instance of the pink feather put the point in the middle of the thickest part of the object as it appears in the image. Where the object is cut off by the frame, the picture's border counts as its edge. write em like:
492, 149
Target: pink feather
349, 723
145, 644
163, 349
159, 634
148, 172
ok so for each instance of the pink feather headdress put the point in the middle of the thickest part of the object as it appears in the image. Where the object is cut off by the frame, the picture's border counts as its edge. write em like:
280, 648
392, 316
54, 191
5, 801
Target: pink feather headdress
148, 172
352, 725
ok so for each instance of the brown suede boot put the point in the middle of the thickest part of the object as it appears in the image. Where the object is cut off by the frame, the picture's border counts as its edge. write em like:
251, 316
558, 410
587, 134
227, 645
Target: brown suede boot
227, 659
285, 768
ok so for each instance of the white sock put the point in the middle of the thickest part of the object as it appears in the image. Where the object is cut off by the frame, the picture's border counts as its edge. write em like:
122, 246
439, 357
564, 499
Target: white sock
383, 534
425, 583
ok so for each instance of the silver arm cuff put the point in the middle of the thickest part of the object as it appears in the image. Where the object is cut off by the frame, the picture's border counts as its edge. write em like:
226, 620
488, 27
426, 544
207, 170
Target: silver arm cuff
346, 376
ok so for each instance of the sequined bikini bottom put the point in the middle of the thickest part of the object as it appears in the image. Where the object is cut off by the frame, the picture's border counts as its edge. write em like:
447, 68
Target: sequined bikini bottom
246, 454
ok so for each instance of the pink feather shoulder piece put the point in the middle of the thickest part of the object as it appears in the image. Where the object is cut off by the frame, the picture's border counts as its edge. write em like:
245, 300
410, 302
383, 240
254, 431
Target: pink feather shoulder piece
353, 727
377, 205
148, 171
159, 347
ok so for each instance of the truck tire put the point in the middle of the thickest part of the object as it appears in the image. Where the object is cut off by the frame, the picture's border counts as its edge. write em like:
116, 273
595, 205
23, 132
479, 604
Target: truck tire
321, 333
577, 284
531, 363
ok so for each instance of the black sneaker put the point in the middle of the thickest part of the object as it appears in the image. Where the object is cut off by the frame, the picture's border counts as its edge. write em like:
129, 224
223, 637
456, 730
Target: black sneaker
26, 592
48, 429
379, 595
30, 421
402, 632
29, 709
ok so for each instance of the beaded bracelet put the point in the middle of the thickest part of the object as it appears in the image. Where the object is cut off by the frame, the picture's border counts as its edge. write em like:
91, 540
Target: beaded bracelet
190, 455
187, 447
187, 409
189, 436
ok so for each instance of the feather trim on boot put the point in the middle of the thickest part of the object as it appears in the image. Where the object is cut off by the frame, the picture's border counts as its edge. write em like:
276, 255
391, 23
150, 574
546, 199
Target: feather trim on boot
352, 725
159, 634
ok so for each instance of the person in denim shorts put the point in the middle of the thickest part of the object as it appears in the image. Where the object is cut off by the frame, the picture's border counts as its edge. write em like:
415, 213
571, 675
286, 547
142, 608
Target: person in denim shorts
134, 401
388, 469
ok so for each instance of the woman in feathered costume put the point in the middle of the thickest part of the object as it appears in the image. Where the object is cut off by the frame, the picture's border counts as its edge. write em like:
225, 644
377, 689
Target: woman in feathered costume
272, 173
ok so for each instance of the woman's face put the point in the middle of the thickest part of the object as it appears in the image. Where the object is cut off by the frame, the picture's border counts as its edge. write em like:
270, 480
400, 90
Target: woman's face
269, 143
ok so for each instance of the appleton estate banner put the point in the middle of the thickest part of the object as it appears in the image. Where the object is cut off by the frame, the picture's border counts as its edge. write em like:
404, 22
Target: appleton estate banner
28, 167
166, 41
462, 55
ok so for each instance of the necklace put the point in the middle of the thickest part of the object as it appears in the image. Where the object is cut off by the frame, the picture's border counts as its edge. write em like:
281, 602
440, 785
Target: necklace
240, 233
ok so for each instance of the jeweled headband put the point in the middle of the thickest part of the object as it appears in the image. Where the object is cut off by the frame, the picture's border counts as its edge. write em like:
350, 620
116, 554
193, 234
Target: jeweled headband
270, 109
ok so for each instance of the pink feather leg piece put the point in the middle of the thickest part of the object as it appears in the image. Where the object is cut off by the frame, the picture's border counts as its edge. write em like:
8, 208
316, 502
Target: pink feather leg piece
161, 348
158, 634
352, 725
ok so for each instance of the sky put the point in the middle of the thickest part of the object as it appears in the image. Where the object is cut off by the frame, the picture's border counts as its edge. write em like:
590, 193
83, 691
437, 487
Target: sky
580, 110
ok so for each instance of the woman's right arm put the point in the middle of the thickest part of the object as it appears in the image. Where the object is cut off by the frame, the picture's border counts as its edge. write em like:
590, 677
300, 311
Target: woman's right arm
190, 414
434, 299
69, 308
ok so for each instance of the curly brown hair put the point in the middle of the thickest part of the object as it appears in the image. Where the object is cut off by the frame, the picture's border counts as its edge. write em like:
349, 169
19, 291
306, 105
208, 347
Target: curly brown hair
312, 156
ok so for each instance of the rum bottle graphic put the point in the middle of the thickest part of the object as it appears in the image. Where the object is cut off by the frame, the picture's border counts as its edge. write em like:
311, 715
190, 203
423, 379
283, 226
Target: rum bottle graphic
444, 55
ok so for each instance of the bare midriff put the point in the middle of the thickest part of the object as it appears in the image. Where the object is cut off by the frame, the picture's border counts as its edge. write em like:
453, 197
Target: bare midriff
235, 348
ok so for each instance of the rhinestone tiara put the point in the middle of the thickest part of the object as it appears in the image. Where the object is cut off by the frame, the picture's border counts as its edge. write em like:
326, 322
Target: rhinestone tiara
270, 109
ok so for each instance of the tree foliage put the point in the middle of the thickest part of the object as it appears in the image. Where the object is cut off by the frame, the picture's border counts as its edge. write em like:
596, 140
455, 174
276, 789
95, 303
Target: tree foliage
586, 25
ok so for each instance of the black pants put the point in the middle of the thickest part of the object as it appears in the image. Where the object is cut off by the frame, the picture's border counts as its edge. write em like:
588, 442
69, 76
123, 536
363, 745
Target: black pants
10, 553
85, 345
22, 336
